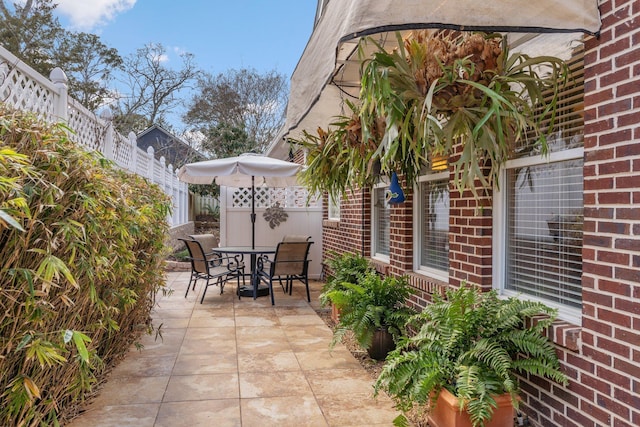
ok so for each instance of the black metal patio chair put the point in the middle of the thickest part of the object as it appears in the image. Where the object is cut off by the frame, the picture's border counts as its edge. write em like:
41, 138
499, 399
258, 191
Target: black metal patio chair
216, 267
290, 263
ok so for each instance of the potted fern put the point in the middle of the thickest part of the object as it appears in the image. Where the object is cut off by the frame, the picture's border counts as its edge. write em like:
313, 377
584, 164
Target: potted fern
468, 350
373, 309
345, 268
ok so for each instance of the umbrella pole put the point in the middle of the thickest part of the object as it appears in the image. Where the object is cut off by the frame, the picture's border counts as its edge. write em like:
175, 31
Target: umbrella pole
253, 212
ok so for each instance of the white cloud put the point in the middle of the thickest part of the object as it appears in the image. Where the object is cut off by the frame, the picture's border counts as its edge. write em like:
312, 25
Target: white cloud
86, 15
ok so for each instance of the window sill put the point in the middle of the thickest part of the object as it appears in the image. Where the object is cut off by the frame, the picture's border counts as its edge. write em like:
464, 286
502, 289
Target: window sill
564, 334
331, 223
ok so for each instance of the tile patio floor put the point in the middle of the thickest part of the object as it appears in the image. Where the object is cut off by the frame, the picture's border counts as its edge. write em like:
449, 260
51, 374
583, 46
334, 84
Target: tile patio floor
230, 362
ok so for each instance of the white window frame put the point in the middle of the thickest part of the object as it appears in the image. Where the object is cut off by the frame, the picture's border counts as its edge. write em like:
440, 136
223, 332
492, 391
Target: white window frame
418, 216
374, 231
500, 207
333, 209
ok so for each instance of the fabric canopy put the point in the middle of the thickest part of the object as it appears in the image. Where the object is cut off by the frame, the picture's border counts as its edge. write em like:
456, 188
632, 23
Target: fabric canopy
238, 171
327, 72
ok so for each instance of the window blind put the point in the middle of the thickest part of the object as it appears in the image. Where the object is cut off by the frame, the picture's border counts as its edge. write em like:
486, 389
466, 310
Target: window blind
544, 229
434, 245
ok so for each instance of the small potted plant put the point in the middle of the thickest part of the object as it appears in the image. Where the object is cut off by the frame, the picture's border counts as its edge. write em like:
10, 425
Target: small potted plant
374, 311
468, 349
346, 268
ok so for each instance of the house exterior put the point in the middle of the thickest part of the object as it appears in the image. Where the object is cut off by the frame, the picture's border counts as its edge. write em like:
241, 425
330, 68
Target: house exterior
175, 151
564, 230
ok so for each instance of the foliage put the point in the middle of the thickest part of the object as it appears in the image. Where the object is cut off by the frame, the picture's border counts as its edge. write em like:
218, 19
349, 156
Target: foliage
240, 99
152, 87
82, 250
371, 304
89, 64
435, 95
346, 267
473, 344
226, 140
31, 31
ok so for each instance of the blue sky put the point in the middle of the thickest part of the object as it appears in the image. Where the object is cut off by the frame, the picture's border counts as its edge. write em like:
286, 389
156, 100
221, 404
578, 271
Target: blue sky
261, 34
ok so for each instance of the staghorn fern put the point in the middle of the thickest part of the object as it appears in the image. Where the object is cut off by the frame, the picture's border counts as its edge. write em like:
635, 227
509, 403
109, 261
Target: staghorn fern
473, 344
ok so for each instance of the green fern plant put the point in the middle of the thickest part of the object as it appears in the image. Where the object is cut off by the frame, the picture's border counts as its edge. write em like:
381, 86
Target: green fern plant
346, 267
372, 304
473, 344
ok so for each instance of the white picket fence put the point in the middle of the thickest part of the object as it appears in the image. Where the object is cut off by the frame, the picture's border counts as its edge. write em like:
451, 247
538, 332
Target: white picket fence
23, 88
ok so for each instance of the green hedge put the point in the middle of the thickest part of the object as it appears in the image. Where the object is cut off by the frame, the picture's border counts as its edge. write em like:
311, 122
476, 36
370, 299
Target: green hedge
81, 258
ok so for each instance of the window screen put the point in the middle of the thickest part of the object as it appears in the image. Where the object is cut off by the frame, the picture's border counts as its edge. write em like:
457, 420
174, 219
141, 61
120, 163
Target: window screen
434, 236
380, 228
544, 231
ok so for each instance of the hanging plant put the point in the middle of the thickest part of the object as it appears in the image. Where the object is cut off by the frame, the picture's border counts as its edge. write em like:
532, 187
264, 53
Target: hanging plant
338, 158
436, 91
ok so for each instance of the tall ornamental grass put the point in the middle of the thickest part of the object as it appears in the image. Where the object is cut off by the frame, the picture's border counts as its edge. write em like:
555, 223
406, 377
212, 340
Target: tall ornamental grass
81, 258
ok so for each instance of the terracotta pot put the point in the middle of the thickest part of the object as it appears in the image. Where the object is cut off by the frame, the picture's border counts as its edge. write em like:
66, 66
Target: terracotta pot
381, 345
446, 412
335, 313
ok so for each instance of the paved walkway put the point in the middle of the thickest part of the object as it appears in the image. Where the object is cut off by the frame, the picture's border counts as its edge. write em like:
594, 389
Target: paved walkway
230, 362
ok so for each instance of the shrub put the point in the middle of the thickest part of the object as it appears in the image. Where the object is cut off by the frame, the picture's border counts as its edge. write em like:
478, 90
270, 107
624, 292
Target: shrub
81, 250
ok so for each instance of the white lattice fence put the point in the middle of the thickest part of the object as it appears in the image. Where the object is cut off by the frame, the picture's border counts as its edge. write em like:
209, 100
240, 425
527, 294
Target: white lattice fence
24, 91
23, 88
291, 197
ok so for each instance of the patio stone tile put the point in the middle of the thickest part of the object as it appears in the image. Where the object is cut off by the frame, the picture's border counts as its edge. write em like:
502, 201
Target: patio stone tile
223, 309
224, 412
264, 362
242, 310
131, 390
211, 333
306, 342
203, 364
261, 340
202, 387
208, 345
302, 319
247, 332
138, 365
208, 322
172, 313
325, 359
290, 411
259, 319
347, 409
293, 311
262, 345
143, 415
340, 381
273, 384
173, 323
166, 344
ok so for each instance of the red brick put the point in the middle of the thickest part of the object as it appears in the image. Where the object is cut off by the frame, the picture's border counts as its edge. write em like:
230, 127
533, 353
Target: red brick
615, 198
632, 275
616, 137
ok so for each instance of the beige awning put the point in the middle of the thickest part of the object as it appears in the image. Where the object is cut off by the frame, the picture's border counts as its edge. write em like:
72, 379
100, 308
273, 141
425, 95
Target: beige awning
328, 71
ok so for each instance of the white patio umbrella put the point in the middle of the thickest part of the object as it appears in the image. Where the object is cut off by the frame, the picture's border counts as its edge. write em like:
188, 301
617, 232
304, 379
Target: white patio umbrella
242, 171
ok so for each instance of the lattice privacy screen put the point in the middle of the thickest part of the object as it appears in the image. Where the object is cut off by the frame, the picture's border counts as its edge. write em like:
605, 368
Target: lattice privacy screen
289, 198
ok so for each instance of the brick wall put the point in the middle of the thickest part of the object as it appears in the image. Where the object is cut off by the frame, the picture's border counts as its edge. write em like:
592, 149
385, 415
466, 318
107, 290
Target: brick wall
608, 366
601, 356
353, 232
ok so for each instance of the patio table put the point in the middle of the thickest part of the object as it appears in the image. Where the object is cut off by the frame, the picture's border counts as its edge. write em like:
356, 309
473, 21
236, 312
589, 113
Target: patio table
254, 289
